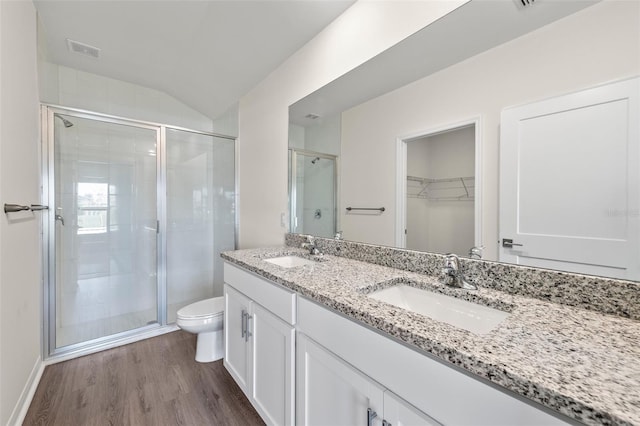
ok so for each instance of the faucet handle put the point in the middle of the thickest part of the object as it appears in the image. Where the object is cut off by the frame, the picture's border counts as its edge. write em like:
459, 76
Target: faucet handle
476, 251
452, 262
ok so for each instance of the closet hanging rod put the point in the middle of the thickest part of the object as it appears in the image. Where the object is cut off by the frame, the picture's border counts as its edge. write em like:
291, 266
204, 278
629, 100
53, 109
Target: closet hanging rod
12, 208
381, 209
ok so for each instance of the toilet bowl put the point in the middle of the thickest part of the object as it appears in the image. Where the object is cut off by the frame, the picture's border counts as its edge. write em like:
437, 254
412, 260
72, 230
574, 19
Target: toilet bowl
205, 318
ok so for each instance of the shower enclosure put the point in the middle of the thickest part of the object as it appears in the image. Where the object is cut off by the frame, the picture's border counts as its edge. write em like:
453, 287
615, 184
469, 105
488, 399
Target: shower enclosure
139, 213
313, 189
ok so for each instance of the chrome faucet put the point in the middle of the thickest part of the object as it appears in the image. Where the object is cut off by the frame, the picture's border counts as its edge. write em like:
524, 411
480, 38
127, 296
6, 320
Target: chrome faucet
476, 252
338, 235
311, 246
453, 275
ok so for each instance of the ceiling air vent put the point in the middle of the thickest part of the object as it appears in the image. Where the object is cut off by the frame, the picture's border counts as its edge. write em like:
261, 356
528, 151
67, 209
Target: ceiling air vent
524, 3
312, 116
83, 49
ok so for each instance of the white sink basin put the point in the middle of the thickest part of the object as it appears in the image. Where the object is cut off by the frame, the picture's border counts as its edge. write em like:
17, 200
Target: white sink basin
290, 261
470, 316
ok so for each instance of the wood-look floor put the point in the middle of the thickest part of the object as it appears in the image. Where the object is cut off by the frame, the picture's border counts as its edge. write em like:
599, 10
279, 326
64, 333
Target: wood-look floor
151, 382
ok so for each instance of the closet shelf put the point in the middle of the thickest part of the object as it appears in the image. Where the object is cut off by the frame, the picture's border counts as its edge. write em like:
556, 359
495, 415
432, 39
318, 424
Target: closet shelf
446, 189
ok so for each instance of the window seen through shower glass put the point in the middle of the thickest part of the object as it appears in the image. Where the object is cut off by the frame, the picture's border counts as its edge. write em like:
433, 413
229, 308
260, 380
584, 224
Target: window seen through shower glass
200, 215
92, 207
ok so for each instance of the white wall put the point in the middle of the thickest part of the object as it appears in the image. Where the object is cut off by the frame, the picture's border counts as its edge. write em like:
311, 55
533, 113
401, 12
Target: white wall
596, 45
69, 87
363, 31
324, 136
20, 273
296, 136
227, 123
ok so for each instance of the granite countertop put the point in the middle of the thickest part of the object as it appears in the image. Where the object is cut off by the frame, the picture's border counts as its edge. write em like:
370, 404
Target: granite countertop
581, 363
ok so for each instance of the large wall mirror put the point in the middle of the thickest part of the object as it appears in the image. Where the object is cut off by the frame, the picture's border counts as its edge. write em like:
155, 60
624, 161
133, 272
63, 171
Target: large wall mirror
417, 131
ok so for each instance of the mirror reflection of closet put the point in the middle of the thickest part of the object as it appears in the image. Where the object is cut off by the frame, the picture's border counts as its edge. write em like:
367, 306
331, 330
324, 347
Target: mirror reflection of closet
440, 192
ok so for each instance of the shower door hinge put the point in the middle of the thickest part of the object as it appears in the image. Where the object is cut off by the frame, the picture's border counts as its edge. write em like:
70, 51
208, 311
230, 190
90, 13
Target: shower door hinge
157, 226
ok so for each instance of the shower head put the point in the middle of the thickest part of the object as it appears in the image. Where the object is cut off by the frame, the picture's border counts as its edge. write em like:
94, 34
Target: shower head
66, 122
314, 160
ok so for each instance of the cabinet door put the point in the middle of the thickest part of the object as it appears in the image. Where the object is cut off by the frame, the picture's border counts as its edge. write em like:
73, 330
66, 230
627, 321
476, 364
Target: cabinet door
272, 353
331, 392
236, 307
398, 412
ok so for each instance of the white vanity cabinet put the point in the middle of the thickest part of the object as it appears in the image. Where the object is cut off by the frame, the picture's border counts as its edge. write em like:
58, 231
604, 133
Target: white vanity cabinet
236, 342
336, 352
260, 343
301, 362
332, 392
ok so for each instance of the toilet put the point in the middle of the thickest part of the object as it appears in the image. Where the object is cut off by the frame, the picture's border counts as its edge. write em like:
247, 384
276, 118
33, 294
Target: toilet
205, 318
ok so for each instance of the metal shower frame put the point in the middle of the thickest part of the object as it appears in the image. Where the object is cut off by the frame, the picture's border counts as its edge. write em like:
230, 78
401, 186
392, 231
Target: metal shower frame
47, 115
293, 173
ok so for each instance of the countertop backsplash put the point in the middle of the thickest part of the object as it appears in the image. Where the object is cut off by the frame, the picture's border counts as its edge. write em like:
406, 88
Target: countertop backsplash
605, 295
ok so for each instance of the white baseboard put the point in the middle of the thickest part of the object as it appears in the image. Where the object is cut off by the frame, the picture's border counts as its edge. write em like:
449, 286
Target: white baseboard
22, 406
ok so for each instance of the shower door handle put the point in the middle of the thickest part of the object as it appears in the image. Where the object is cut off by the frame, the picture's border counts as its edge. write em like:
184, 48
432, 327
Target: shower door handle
60, 218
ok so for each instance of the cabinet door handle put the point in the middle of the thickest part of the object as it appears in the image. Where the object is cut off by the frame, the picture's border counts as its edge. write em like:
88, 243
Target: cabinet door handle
370, 416
244, 323
247, 332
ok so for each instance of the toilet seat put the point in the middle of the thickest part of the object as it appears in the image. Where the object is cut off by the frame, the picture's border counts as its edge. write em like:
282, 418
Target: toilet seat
204, 309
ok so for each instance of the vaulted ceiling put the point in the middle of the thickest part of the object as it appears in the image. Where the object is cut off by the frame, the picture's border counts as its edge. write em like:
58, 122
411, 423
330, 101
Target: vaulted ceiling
207, 54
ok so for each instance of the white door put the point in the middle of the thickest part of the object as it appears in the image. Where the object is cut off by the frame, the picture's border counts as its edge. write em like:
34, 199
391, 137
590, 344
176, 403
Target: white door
272, 352
569, 182
331, 392
398, 412
236, 311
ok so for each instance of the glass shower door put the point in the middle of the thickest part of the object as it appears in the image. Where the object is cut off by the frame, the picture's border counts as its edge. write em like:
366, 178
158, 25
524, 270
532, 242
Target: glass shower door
104, 182
313, 193
200, 215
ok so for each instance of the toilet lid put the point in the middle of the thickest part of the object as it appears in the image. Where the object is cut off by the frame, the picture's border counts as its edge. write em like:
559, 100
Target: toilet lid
203, 308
